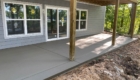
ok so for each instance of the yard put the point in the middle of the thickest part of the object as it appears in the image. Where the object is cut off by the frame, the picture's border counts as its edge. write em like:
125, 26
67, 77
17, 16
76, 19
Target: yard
120, 64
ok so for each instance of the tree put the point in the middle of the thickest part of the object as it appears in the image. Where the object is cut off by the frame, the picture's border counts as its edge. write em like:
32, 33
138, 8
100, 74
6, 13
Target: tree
124, 19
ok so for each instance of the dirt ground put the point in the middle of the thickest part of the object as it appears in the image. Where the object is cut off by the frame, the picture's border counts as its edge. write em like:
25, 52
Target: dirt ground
121, 64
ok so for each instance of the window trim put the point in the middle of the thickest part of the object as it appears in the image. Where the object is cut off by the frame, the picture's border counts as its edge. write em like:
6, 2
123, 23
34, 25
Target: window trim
25, 34
46, 26
79, 29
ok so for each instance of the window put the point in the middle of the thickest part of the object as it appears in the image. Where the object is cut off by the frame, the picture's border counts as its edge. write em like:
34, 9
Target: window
14, 18
81, 19
33, 19
22, 19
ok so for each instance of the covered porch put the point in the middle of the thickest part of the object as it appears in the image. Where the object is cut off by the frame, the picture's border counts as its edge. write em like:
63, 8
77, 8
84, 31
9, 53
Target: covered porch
40, 61
73, 6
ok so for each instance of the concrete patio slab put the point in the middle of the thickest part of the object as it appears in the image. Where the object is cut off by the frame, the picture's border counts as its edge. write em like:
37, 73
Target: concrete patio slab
104, 47
40, 61
55, 70
18, 65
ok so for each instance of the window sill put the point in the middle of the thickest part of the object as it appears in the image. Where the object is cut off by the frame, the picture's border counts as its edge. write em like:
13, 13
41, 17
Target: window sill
81, 30
23, 35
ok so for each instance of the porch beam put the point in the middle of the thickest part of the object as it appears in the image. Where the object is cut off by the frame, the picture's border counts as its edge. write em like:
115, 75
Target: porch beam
115, 22
73, 5
133, 17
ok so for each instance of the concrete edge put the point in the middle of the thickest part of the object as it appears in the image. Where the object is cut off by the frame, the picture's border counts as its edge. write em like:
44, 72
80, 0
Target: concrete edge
63, 72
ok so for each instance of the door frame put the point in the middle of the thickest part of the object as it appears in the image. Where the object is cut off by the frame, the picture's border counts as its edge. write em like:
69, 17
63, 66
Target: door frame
46, 20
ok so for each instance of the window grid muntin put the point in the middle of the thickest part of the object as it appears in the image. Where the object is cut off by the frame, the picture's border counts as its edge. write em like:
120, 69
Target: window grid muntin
79, 28
24, 20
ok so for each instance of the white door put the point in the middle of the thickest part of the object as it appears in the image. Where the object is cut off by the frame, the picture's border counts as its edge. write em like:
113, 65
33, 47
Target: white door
56, 23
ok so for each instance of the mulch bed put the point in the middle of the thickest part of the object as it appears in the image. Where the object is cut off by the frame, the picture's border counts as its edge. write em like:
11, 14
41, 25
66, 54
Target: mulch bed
121, 64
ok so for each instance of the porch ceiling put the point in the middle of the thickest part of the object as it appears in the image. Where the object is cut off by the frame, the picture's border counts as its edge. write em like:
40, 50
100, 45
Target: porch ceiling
108, 2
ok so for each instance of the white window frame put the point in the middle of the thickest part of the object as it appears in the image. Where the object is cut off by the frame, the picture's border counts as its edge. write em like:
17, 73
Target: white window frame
25, 34
46, 26
79, 28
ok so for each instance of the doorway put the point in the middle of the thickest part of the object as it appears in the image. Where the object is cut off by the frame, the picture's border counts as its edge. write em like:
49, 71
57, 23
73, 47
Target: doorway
56, 23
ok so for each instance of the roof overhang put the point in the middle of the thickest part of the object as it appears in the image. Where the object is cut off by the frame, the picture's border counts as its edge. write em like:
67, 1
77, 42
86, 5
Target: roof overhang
108, 2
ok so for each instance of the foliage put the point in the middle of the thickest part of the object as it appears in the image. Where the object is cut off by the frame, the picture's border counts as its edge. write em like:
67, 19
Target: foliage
124, 19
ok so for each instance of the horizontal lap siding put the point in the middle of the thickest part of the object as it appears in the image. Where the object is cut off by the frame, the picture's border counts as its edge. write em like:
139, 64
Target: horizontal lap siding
95, 24
96, 18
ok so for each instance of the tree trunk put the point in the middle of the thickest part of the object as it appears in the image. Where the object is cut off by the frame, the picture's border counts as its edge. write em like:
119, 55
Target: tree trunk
51, 14
12, 15
138, 29
106, 19
122, 18
130, 20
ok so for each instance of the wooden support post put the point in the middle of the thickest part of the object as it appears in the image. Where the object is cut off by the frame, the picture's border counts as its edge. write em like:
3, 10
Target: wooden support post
115, 22
133, 16
73, 4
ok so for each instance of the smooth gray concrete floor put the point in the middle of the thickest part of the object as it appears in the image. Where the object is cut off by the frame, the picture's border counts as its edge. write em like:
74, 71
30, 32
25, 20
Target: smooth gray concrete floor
40, 61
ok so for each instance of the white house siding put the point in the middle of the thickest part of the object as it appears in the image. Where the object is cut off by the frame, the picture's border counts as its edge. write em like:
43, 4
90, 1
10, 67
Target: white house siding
96, 18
